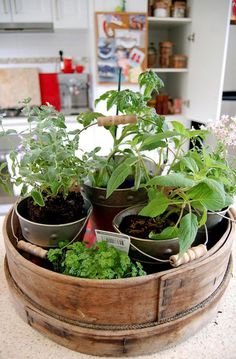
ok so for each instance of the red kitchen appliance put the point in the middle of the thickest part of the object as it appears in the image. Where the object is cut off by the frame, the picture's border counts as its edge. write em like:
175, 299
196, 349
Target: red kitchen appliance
49, 87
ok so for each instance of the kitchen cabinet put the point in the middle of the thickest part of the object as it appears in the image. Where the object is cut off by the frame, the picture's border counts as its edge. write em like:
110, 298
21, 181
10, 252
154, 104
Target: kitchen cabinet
70, 14
19, 11
203, 37
5, 11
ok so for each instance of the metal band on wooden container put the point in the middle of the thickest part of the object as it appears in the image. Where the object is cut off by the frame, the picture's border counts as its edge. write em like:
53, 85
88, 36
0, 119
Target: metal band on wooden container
116, 120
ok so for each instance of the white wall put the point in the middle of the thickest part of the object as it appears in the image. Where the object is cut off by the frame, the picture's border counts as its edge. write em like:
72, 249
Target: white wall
230, 73
73, 42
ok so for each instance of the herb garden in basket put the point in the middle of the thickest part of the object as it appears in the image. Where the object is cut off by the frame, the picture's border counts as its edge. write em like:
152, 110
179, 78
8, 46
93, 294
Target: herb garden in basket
169, 203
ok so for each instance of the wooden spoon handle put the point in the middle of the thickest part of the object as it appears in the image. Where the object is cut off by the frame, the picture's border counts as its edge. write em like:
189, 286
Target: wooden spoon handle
188, 256
116, 120
32, 249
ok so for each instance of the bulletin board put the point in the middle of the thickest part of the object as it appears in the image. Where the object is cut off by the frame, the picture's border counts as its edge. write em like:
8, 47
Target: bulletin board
121, 43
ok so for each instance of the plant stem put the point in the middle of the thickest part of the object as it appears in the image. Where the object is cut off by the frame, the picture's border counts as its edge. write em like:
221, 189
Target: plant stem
180, 215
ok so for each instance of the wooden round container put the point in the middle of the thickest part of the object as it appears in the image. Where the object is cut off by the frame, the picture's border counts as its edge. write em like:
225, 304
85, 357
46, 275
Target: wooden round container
122, 317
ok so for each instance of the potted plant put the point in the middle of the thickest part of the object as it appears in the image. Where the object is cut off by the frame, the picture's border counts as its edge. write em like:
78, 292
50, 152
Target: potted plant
47, 168
195, 184
114, 181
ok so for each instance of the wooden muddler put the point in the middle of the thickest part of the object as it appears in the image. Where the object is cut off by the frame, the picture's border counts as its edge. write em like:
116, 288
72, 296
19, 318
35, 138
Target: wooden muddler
32, 249
188, 256
116, 120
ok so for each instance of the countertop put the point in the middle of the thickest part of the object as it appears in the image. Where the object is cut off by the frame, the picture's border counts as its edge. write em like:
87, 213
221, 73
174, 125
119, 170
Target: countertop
19, 341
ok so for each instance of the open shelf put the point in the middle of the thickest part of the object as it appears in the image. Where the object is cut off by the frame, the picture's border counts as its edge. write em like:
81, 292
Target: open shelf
167, 22
168, 69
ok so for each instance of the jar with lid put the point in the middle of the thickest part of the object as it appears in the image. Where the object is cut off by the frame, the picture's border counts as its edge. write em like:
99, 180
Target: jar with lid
165, 53
161, 9
178, 10
178, 61
152, 55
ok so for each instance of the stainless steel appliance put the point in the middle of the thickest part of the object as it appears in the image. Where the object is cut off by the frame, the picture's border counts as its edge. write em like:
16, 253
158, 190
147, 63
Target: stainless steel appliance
73, 92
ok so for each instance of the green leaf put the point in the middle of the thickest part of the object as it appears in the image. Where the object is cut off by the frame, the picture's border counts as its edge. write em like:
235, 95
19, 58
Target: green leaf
151, 193
190, 163
156, 206
209, 194
217, 201
24, 190
55, 187
203, 218
167, 233
187, 232
112, 100
119, 175
152, 141
37, 197
179, 127
173, 179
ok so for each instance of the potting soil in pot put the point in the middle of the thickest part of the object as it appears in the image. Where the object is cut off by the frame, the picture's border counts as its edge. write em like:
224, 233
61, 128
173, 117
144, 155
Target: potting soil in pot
57, 210
141, 226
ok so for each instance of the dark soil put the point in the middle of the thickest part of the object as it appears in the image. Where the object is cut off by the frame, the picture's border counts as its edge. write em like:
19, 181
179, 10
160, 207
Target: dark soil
57, 210
140, 226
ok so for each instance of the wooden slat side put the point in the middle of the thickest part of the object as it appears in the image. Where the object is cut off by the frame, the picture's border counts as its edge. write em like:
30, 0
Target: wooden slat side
194, 283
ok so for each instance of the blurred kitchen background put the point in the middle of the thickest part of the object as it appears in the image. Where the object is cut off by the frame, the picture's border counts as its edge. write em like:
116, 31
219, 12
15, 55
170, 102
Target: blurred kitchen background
48, 52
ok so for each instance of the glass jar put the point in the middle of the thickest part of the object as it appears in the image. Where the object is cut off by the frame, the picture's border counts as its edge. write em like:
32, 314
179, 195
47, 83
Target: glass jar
178, 10
178, 61
152, 55
161, 10
165, 53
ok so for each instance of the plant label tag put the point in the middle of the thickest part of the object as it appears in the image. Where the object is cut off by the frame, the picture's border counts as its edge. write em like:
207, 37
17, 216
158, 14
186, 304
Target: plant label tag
117, 240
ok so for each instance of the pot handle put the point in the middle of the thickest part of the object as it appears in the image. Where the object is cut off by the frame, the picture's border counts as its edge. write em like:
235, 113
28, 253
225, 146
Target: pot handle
188, 256
174, 260
116, 120
148, 255
32, 249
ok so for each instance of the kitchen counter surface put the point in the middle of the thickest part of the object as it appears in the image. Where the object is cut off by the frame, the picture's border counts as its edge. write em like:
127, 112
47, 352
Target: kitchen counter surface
20, 341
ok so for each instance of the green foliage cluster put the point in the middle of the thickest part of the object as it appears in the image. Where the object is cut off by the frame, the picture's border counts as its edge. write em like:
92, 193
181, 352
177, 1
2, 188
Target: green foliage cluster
196, 182
46, 162
127, 143
97, 262
190, 183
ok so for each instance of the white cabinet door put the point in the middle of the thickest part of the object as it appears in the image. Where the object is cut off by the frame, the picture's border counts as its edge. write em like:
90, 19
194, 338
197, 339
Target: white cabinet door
70, 14
204, 83
5, 11
31, 10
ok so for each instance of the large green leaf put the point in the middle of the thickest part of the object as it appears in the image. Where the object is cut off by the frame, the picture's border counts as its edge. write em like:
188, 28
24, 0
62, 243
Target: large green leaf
187, 231
156, 206
209, 194
173, 179
167, 233
120, 174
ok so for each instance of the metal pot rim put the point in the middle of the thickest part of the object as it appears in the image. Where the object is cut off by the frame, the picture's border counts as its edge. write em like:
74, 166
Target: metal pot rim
136, 238
89, 210
105, 189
